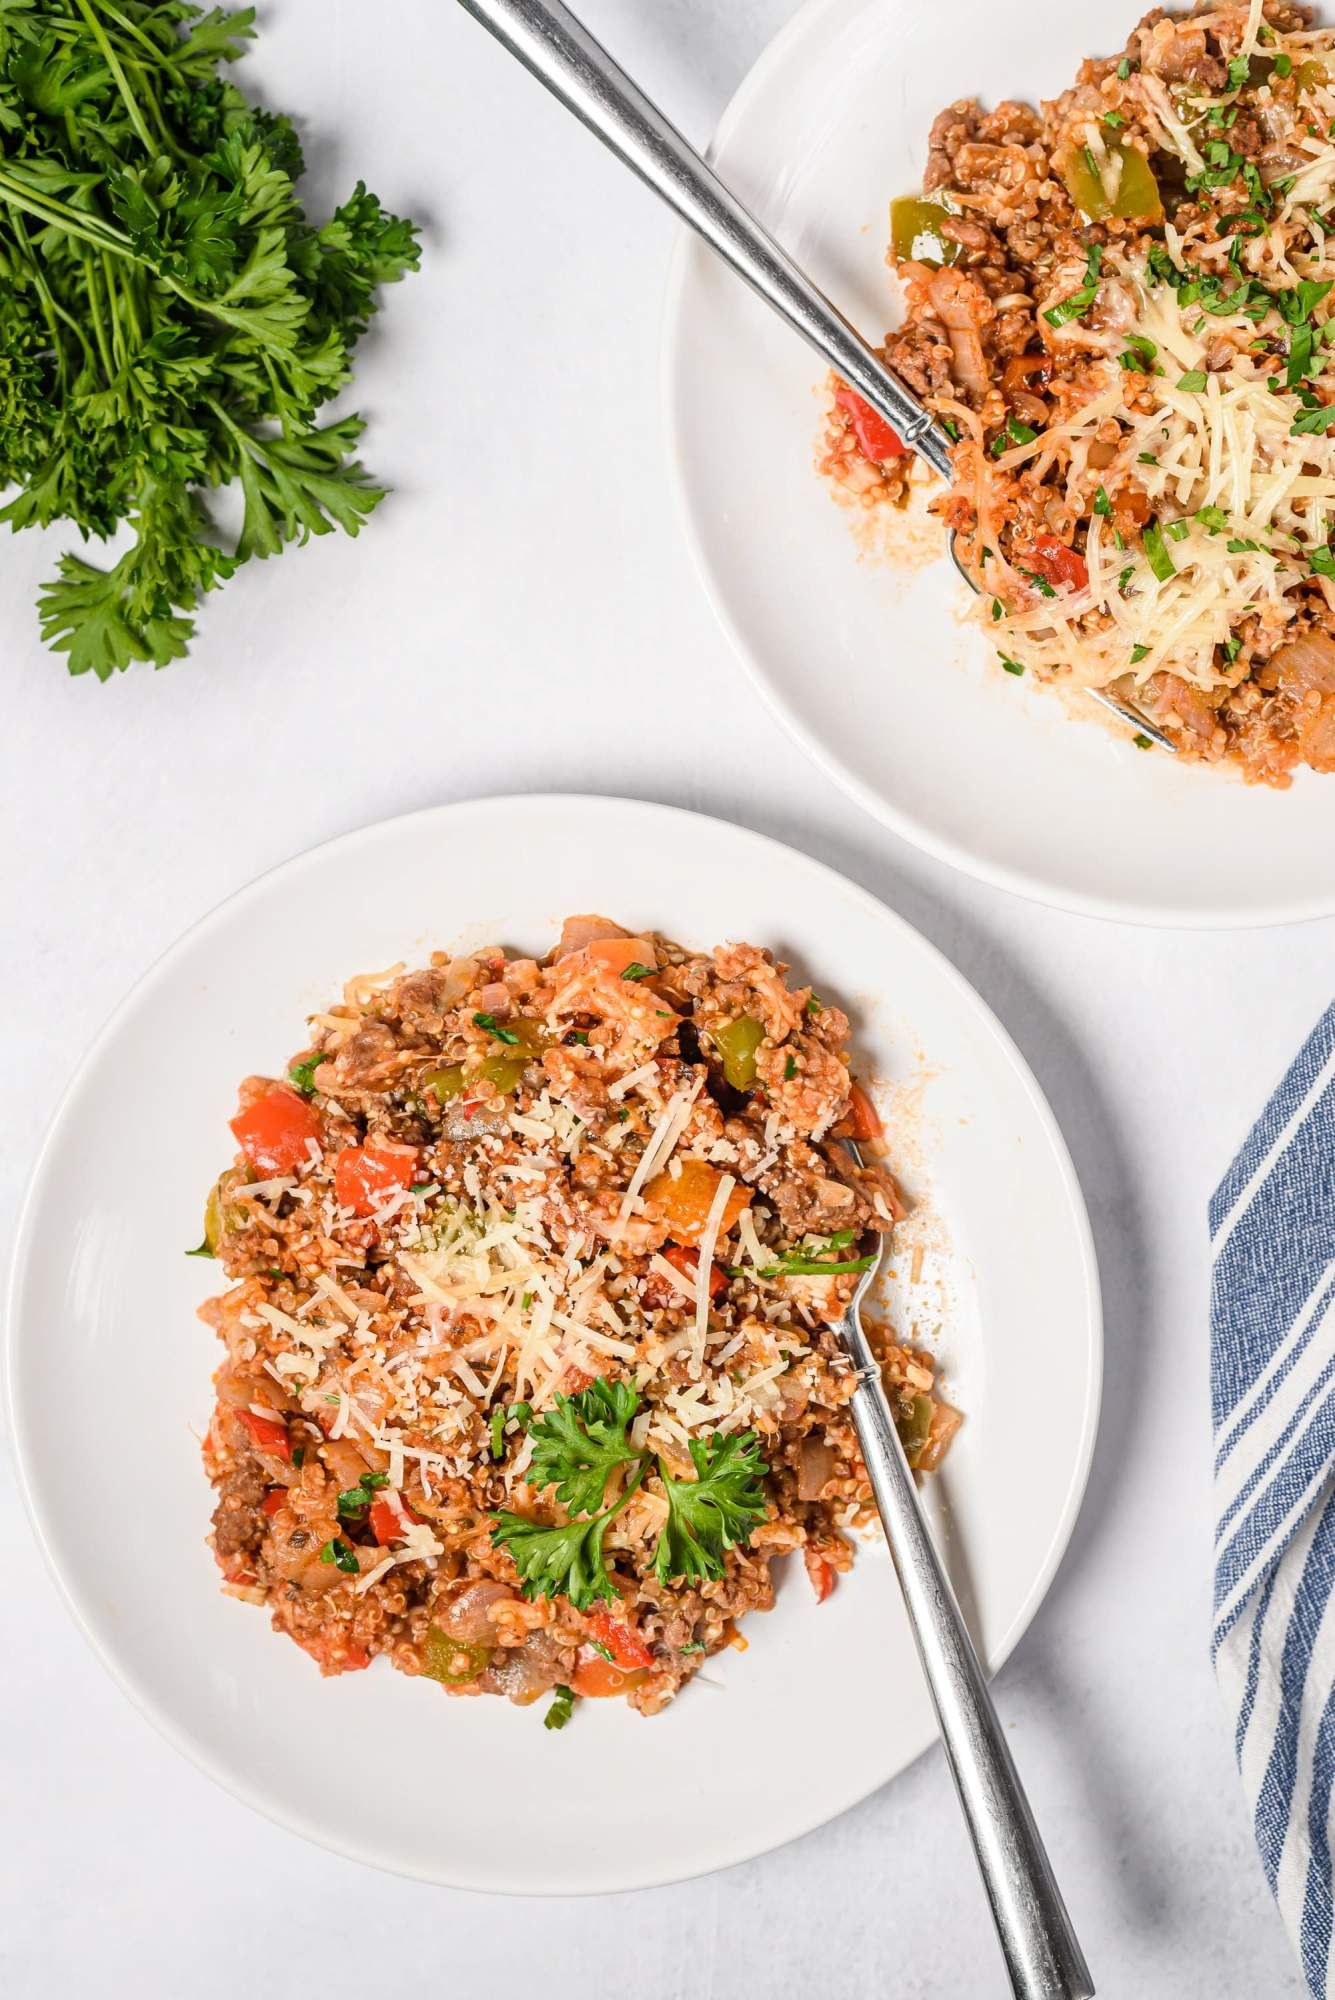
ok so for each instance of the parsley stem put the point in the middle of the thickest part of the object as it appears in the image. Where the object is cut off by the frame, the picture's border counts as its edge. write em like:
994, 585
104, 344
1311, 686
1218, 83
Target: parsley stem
58, 214
112, 61
95, 315
51, 306
117, 336
136, 33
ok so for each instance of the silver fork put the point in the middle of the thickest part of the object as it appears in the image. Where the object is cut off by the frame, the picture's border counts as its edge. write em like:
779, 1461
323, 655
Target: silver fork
561, 53
1042, 1953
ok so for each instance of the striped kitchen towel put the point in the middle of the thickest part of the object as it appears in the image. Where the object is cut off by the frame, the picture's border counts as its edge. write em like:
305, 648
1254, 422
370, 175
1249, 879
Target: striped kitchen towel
1272, 1328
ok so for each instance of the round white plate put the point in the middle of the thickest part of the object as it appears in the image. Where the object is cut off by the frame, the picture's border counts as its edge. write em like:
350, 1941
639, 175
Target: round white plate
867, 666
110, 1369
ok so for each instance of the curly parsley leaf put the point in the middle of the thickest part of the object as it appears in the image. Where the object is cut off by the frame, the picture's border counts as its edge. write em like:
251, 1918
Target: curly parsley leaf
577, 1447
580, 1442
565, 1560
713, 1512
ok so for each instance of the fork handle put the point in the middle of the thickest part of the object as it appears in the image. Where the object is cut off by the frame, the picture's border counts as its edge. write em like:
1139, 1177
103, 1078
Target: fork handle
560, 52
1043, 1956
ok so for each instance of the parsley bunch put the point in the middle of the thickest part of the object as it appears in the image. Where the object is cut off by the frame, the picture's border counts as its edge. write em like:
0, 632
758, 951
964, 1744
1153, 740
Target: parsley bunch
170, 322
577, 1446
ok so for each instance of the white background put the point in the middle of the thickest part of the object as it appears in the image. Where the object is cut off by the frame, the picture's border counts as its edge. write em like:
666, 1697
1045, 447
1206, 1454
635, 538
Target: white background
521, 615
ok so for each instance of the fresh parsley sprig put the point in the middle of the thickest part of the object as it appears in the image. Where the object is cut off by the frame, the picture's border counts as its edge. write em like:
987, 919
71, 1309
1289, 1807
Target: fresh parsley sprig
712, 1512
579, 1443
577, 1446
170, 321
563, 1561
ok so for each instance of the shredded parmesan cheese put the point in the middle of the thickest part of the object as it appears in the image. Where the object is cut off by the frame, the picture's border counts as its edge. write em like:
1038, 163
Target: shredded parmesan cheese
1240, 500
704, 1267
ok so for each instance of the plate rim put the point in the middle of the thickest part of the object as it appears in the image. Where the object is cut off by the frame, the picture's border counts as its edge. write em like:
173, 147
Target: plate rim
690, 255
156, 1714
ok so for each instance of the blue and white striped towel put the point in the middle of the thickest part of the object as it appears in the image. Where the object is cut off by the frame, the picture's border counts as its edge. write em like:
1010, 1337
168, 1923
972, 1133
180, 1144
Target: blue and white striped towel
1272, 1322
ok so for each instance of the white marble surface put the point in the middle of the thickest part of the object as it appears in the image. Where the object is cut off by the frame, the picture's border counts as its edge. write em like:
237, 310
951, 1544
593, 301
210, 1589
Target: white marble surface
522, 615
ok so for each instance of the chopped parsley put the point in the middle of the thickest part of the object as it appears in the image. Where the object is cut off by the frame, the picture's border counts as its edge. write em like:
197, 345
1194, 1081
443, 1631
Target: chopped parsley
1012, 432
1137, 357
1125, 578
1213, 519
343, 1554
1011, 666
637, 971
561, 1707
1314, 421
1283, 64
355, 1500
1156, 552
1102, 504
1079, 303
1193, 381
302, 1074
1323, 561
812, 1259
1139, 653
1124, 69
494, 1028
1238, 71
789, 1069
1142, 742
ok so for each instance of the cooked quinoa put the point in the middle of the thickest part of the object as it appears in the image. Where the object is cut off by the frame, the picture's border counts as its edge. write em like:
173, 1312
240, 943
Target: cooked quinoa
534, 1269
1120, 305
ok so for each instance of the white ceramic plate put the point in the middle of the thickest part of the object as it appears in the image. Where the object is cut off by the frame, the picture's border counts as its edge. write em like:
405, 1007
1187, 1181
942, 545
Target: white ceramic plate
870, 669
110, 1370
